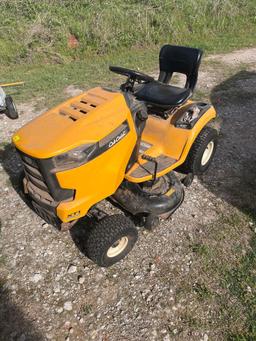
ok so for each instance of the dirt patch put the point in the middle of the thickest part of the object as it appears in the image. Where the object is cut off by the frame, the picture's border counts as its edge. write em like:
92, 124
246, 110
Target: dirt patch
72, 91
244, 56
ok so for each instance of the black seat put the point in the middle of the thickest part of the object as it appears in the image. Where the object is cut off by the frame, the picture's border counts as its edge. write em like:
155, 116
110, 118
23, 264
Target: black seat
163, 95
180, 59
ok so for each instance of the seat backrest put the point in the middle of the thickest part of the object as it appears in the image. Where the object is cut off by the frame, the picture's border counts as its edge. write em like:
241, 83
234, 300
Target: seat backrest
181, 59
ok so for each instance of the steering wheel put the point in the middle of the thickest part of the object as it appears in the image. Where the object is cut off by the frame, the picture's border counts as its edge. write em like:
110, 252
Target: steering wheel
132, 74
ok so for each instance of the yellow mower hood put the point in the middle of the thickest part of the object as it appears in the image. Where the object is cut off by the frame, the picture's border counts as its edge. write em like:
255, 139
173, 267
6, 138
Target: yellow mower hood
86, 118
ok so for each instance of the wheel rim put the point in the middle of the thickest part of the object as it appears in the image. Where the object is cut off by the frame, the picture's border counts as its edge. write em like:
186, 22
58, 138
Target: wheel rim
117, 247
207, 153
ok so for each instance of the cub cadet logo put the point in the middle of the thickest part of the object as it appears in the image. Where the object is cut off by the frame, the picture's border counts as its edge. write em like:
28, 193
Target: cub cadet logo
117, 138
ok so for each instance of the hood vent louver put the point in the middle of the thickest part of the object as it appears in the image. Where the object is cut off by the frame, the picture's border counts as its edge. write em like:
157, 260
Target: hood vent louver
83, 106
64, 113
79, 107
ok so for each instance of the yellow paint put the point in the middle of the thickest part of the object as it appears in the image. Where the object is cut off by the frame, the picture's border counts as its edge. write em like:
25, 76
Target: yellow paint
16, 138
168, 140
170, 192
55, 132
65, 127
5, 85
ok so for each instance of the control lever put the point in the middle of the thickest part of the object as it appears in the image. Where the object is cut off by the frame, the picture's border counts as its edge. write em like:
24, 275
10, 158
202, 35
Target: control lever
151, 159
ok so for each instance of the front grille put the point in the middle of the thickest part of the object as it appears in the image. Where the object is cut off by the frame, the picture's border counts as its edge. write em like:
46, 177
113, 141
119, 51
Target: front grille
41, 184
36, 184
41, 181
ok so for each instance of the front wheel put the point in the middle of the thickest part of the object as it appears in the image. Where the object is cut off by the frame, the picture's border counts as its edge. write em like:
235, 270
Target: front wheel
111, 240
201, 153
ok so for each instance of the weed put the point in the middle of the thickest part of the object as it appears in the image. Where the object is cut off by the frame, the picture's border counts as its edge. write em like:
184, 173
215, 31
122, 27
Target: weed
87, 309
202, 291
233, 219
189, 320
200, 249
241, 282
251, 215
2, 259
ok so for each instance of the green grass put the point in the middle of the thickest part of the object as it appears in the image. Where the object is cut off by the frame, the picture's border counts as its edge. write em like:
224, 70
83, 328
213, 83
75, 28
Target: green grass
227, 277
219, 291
34, 38
48, 81
241, 282
32, 30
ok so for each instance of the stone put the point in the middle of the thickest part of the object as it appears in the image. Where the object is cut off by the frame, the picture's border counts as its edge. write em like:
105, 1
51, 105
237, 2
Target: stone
56, 288
81, 279
72, 269
67, 325
36, 278
68, 306
205, 337
166, 338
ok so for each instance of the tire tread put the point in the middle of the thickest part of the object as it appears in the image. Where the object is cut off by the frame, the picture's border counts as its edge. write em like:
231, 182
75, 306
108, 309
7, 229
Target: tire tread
103, 233
189, 166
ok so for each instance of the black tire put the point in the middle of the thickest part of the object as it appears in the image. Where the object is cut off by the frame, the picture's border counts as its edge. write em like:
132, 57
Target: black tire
107, 232
193, 163
11, 110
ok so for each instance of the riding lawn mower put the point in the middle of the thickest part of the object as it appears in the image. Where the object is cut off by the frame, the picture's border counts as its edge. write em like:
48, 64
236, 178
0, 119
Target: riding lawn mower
137, 146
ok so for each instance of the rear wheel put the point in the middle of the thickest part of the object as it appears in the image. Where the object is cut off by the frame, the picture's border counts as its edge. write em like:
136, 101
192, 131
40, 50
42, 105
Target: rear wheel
201, 153
111, 240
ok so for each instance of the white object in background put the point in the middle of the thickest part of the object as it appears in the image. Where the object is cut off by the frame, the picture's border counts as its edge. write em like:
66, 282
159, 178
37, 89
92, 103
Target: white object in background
2, 98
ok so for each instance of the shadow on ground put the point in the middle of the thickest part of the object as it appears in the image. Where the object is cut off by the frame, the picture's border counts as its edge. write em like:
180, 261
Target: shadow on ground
12, 164
13, 324
232, 176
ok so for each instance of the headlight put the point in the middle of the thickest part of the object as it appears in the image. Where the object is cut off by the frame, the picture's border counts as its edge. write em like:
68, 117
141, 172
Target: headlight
75, 157
82, 154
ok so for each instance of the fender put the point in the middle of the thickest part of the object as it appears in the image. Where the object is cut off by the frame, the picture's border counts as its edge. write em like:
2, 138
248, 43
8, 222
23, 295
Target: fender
208, 116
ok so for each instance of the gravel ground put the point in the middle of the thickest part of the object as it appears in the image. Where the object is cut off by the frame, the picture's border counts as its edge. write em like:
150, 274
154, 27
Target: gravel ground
51, 291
